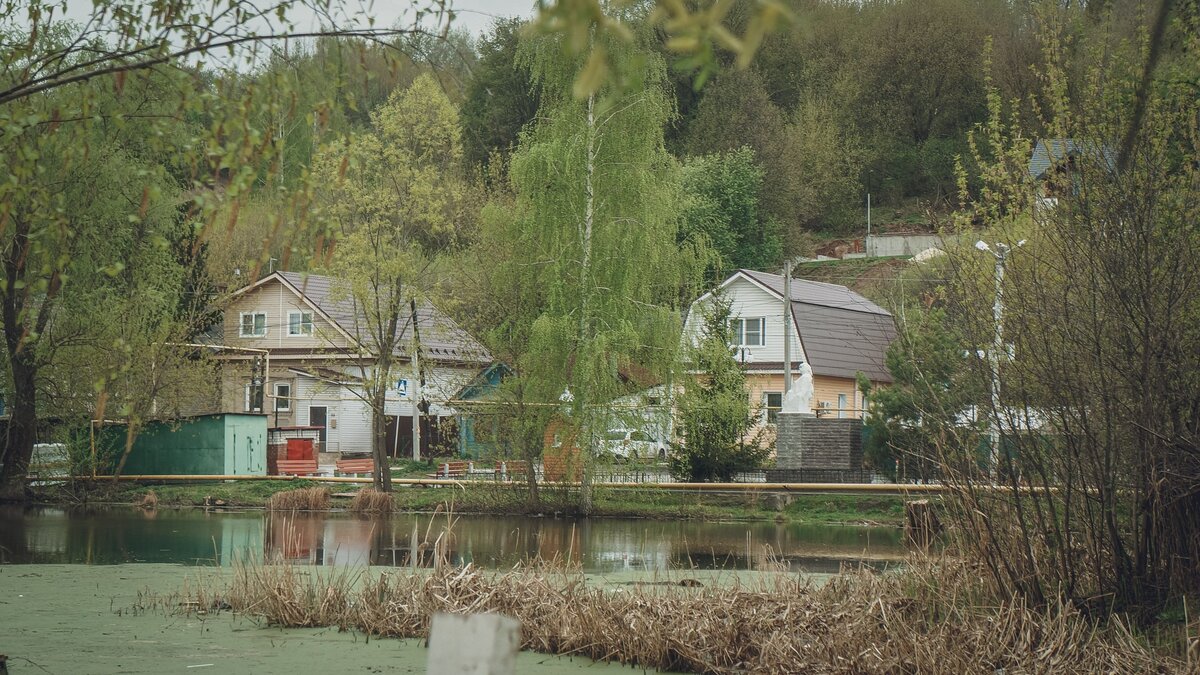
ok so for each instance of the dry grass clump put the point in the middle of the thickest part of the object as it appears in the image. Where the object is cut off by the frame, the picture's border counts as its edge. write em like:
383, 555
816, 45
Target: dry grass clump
303, 499
370, 500
929, 619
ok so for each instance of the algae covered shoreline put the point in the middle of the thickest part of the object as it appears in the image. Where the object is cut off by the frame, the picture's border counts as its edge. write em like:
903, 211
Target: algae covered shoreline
94, 619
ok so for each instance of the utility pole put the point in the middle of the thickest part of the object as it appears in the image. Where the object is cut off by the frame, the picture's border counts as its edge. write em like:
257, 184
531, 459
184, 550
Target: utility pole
787, 326
415, 387
1000, 251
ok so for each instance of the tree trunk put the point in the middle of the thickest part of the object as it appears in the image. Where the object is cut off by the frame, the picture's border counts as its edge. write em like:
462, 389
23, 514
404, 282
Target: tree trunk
531, 449
382, 473
585, 488
22, 429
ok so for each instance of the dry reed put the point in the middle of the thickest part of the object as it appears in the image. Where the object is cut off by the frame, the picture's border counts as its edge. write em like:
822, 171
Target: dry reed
303, 499
370, 500
933, 617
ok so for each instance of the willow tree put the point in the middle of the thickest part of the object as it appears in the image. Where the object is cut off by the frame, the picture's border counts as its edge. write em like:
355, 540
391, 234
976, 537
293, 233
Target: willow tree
596, 197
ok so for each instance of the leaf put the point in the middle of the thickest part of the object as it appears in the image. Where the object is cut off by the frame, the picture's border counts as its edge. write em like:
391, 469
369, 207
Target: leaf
590, 79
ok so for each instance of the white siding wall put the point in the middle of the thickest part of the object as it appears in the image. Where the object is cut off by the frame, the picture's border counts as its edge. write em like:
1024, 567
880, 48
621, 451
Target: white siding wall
311, 392
748, 301
442, 383
351, 432
354, 423
276, 301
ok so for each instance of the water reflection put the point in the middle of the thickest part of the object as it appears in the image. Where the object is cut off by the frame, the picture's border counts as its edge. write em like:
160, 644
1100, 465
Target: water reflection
118, 535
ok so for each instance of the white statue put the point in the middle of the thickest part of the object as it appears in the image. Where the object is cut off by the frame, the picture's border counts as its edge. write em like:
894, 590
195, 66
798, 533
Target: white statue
800, 395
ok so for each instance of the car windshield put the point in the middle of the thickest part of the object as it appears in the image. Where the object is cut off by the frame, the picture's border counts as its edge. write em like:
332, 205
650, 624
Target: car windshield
617, 435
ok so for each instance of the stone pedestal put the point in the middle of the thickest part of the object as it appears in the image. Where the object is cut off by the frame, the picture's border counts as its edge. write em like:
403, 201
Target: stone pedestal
804, 441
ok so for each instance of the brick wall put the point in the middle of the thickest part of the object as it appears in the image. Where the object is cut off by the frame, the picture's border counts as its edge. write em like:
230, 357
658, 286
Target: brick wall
807, 442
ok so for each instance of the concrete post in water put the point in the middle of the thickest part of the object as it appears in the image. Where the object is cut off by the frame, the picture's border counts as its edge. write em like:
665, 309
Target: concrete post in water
473, 644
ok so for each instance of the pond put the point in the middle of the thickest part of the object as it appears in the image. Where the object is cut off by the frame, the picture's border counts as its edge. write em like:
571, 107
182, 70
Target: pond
206, 537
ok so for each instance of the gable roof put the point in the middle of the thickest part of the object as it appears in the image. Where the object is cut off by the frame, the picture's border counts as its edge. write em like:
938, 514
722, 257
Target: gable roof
441, 338
1050, 152
815, 293
840, 331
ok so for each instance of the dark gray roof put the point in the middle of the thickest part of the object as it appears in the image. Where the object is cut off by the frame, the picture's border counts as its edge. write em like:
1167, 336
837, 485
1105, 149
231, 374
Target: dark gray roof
840, 343
441, 338
841, 331
1053, 151
817, 293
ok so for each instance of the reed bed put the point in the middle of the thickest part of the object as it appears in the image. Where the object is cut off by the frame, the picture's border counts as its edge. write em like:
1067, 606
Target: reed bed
303, 499
930, 618
370, 500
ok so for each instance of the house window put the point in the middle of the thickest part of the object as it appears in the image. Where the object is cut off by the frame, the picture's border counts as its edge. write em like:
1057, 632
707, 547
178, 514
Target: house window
748, 332
283, 397
300, 323
773, 401
254, 324
254, 396
842, 408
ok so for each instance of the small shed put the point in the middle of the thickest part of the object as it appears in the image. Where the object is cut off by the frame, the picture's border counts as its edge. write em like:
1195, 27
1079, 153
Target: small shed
232, 444
291, 443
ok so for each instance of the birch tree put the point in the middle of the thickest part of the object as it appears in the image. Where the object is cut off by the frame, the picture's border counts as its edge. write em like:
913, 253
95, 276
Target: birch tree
597, 197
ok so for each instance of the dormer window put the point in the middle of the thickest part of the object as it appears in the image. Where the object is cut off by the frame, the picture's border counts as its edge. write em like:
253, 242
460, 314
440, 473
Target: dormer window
300, 323
748, 332
253, 324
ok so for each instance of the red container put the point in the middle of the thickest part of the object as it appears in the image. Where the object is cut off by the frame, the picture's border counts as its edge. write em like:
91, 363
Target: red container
299, 448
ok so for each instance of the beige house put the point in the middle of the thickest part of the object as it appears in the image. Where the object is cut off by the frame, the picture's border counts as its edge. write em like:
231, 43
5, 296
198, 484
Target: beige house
835, 330
300, 337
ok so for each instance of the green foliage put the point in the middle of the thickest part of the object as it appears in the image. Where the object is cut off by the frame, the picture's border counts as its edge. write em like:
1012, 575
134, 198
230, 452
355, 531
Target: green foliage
913, 421
1099, 302
714, 411
500, 99
397, 197
695, 34
584, 253
722, 192
810, 164
824, 159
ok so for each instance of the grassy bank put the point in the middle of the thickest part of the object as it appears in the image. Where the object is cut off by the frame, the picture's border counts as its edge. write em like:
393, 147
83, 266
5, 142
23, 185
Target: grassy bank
484, 497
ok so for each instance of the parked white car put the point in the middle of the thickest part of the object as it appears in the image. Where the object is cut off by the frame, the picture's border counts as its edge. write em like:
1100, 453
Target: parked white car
633, 444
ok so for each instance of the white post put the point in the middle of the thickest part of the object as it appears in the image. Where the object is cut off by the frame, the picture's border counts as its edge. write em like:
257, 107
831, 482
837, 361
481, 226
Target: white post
415, 397
415, 388
868, 215
1001, 254
473, 644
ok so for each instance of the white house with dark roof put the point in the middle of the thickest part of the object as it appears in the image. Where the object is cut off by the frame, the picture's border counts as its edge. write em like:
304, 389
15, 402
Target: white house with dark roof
313, 336
835, 330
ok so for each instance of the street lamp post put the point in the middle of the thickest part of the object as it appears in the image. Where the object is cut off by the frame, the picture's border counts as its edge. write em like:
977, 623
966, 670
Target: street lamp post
1000, 251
